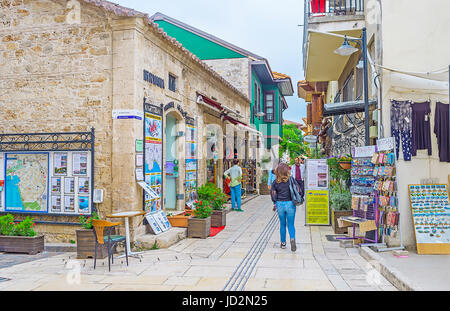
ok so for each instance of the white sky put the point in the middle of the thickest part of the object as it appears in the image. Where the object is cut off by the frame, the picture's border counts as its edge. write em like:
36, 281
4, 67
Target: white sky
265, 27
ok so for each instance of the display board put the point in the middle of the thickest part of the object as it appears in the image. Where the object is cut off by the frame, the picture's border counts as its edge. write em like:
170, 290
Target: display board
431, 216
153, 153
191, 162
317, 193
46, 182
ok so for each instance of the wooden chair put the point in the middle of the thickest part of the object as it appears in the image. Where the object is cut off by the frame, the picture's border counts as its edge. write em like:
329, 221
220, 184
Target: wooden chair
111, 240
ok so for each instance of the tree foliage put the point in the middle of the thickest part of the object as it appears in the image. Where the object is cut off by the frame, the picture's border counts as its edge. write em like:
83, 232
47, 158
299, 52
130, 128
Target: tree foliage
292, 142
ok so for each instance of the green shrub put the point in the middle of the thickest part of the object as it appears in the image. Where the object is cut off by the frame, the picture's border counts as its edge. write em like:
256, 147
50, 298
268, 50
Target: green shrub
202, 209
213, 195
24, 228
7, 227
265, 178
341, 199
86, 223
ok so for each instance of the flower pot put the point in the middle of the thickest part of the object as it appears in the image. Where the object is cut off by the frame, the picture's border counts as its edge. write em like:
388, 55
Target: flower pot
179, 221
86, 245
264, 189
346, 165
219, 218
335, 215
22, 245
199, 228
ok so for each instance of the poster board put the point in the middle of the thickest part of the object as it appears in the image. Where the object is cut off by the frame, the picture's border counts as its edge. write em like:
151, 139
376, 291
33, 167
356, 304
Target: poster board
156, 230
431, 218
191, 162
317, 199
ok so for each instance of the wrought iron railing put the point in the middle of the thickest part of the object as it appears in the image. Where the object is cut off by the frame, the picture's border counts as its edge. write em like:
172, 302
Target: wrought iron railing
334, 7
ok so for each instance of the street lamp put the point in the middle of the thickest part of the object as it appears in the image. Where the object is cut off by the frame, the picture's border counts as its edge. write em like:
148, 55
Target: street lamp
346, 50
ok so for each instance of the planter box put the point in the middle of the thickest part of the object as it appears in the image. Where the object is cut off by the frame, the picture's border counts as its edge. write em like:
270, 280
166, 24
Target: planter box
179, 221
219, 218
22, 245
86, 246
264, 189
335, 215
199, 228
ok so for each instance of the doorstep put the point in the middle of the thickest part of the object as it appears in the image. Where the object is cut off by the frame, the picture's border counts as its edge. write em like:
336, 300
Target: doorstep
393, 275
164, 240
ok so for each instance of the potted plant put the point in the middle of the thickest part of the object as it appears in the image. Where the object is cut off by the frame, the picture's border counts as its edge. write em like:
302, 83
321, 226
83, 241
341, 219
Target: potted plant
200, 225
180, 220
345, 162
219, 215
86, 239
263, 186
21, 237
341, 202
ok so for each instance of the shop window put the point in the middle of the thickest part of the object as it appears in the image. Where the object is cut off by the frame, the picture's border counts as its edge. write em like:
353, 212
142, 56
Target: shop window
269, 106
172, 83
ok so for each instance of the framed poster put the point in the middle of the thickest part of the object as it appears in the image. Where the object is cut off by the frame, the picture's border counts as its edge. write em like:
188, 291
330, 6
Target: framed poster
317, 207
56, 185
80, 164
69, 185
431, 217
162, 221
69, 204
56, 204
60, 166
317, 175
83, 185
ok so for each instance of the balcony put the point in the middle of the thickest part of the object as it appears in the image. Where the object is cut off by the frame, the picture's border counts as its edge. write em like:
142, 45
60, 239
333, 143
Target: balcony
345, 17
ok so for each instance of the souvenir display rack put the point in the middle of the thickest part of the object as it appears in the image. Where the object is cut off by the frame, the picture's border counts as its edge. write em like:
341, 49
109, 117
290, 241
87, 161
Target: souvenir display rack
387, 195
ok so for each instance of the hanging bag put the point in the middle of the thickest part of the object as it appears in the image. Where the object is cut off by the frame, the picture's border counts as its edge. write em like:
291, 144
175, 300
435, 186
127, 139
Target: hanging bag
295, 195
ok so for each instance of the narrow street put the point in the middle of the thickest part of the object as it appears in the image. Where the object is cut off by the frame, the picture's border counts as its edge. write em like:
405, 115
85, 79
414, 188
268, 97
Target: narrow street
245, 256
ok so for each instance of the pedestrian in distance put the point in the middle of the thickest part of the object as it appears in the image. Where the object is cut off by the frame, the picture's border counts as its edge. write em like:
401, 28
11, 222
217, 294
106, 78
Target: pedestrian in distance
235, 173
283, 203
298, 172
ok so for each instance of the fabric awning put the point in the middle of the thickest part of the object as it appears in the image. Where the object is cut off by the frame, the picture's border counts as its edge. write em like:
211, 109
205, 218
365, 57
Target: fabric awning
345, 108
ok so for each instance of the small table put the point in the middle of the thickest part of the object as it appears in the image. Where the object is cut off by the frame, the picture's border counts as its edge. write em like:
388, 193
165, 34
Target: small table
126, 216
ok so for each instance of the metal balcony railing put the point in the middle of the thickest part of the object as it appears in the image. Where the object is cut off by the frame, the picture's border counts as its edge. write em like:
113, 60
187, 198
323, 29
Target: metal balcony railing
317, 8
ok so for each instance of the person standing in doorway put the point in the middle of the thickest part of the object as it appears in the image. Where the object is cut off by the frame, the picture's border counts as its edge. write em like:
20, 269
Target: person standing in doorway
282, 200
298, 172
235, 173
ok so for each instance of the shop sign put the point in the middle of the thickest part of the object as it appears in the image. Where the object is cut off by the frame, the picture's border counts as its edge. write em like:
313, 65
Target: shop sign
386, 144
153, 79
364, 152
127, 114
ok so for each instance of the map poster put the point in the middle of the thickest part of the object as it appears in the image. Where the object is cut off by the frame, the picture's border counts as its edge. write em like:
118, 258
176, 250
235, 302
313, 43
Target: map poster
69, 204
69, 185
80, 163
317, 207
56, 204
83, 185
83, 205
26, 182
60, 164
56, 185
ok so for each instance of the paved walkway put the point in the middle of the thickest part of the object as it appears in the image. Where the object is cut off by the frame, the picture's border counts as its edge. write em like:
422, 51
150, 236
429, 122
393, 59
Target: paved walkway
246, 253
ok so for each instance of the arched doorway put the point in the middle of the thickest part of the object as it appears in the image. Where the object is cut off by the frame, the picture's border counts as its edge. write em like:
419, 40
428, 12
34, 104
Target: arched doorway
172, 161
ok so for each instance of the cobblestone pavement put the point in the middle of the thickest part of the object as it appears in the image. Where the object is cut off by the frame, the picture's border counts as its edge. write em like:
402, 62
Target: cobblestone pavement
246, 253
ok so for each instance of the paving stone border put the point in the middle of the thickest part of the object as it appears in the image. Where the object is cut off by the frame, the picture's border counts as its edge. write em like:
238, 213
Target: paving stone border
398, 279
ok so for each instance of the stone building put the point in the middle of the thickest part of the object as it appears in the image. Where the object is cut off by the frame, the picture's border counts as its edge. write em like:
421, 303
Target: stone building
109, 99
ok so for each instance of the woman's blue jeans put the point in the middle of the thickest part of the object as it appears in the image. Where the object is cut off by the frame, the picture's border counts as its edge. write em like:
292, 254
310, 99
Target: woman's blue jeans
286, 213
236, 197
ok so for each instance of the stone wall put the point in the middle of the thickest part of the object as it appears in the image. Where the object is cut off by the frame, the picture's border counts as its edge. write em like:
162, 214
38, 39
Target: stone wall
56, 77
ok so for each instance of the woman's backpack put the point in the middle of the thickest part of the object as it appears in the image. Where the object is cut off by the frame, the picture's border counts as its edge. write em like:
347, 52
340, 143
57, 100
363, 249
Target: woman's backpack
296, 196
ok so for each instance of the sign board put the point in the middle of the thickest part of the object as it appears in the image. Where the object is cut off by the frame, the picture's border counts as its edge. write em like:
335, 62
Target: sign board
139, 145
311, 139
317, 175
386, 144
431, 217
127, 114
162, 221
364, 152
317, 207
150, 192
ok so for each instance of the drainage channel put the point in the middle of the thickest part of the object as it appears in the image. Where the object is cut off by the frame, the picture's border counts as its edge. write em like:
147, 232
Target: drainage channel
245, 268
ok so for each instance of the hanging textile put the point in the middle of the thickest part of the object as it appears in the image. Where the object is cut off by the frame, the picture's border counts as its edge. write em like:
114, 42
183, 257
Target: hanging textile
442, 131
401, 120
421, 128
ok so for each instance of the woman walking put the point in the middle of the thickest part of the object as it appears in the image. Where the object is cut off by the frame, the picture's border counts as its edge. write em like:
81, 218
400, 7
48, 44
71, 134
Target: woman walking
282, 200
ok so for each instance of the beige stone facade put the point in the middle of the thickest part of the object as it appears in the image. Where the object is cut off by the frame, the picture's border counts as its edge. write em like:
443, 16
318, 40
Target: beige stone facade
65, 66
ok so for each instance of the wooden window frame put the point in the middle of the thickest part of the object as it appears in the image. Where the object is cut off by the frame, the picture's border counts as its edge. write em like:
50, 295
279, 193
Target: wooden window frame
266, 119
174, 82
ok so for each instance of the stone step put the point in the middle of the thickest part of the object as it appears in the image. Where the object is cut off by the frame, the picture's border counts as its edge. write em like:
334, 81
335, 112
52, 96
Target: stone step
162, 241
